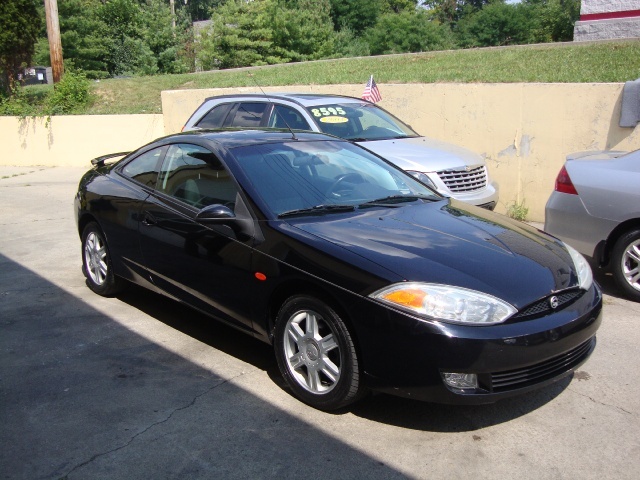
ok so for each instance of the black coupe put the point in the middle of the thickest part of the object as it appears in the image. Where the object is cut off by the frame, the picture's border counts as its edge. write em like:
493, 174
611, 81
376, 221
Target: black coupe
360, 276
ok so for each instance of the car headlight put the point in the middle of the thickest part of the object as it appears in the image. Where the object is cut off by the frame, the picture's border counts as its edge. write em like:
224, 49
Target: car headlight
423, 178
445, 302
585, 276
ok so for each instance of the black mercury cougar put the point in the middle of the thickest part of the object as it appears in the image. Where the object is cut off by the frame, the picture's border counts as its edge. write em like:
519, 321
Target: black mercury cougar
360, 276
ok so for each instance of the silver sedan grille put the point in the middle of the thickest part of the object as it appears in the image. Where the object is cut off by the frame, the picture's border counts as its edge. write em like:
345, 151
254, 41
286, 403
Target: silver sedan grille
463, 180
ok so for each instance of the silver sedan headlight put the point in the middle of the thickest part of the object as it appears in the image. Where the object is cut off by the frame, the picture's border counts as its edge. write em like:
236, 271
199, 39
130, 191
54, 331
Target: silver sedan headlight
445, 302
423, 177
585, 276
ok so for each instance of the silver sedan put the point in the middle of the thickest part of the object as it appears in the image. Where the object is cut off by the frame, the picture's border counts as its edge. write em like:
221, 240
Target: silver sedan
596, 209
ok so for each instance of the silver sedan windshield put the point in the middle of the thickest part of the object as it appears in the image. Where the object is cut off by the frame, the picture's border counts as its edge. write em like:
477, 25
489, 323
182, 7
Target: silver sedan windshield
359, 122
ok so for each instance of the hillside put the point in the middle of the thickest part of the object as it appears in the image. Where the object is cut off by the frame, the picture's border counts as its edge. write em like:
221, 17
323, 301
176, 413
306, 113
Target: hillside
602, 62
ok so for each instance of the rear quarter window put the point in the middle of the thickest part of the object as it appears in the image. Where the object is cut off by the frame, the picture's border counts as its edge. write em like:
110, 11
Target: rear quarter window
215, 117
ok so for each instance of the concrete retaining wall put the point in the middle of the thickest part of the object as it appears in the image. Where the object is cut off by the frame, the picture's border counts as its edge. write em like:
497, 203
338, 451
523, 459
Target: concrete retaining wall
73, 140
524, 131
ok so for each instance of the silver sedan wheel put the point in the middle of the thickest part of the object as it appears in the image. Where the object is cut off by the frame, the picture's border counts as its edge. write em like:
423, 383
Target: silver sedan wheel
311, 351
631, 264
95, 256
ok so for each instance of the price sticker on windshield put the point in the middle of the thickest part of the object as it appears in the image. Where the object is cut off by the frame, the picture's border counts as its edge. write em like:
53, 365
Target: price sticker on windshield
327, 111
334, 119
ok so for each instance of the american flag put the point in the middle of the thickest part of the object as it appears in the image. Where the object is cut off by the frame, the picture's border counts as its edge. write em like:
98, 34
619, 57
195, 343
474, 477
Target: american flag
371, 91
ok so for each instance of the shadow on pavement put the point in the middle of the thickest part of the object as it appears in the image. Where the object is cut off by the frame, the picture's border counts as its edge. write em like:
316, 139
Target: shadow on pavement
85, 397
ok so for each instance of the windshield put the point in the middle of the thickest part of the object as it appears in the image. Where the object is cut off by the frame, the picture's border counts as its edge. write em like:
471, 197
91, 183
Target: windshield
314, 177
359, 122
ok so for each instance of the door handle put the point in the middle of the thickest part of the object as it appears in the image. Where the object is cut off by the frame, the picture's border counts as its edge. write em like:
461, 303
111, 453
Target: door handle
148, 219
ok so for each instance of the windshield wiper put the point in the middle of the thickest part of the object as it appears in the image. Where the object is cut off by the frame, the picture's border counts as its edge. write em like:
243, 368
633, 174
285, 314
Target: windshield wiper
393, 200
318, 209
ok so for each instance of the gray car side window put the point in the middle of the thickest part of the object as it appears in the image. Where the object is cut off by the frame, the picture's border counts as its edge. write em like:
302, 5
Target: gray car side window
249, 114
215, 117
144, 169
194, 175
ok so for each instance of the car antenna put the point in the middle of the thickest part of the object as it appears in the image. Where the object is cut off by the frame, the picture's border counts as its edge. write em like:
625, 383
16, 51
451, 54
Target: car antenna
274, 105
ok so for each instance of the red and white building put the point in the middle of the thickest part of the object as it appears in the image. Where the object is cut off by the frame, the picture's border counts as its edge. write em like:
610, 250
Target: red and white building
607, 19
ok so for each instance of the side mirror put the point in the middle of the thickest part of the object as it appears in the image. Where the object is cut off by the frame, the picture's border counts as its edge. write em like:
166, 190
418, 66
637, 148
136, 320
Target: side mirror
215, 213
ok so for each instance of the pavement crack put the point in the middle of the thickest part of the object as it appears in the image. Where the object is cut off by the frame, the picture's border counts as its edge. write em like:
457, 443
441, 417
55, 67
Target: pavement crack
602, 403
155, 424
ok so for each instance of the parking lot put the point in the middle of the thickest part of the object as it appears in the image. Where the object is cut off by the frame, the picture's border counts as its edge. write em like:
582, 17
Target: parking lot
138, 386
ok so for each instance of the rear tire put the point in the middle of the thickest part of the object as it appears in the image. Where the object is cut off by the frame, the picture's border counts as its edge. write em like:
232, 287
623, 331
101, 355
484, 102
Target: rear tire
316, 354
626, 264
96, 263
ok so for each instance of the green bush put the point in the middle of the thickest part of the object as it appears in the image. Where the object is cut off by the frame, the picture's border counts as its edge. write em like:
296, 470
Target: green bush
69, 95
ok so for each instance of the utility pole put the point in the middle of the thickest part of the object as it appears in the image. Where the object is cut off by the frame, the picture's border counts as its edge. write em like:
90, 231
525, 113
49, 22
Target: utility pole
173, 16
53, 34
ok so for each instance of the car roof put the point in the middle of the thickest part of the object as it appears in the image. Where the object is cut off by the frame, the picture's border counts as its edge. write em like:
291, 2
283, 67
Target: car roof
303, 99
235, 137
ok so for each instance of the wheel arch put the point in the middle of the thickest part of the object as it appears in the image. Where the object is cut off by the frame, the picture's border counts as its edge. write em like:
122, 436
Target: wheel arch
84, 220
297, 286
621, 229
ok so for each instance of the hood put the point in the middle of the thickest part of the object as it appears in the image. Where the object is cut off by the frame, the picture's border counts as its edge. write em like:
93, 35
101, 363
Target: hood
453, 243
423, 154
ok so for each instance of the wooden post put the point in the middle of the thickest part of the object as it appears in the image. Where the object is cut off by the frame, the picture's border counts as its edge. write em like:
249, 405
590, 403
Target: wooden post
53, 34
173, 16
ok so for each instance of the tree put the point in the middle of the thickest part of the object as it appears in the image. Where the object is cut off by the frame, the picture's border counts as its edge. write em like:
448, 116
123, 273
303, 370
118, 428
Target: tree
397, 6
301, 29
408, 31
237, 37
357, 15
121, 37
266, 32
20, 24
554, 19
450, 11
496, 24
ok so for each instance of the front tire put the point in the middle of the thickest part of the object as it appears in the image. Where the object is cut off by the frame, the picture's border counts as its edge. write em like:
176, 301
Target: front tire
96, 263
626, 263
316, 354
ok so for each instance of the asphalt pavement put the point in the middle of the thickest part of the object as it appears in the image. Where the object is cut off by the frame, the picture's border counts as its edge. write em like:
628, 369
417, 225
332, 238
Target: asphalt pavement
140, 387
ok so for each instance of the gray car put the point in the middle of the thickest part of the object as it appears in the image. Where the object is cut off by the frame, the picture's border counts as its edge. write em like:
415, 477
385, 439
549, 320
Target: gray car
451, 170
596, 209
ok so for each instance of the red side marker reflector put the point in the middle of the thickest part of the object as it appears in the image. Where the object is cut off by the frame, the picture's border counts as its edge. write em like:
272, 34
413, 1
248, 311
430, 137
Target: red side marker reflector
260, 276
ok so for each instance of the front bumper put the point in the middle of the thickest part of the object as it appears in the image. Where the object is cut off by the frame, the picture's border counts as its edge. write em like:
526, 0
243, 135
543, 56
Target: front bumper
486, 197
508, 359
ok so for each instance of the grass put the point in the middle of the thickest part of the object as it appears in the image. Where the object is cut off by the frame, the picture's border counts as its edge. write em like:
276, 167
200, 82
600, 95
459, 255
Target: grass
518, 210
614, 61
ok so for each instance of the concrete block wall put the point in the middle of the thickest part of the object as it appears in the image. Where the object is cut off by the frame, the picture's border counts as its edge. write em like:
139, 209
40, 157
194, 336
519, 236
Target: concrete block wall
607, 19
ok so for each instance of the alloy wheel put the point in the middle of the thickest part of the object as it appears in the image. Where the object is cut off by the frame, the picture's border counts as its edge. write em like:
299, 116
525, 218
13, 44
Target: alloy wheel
312, 353
95, 255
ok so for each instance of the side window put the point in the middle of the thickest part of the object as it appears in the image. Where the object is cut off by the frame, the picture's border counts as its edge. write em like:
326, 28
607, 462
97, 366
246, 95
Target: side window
144, 169
215, 117
194, 175
249, 115
284, 117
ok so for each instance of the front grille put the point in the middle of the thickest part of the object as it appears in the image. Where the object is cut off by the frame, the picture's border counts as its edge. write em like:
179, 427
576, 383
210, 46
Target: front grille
543, 307
463, 180
523, 377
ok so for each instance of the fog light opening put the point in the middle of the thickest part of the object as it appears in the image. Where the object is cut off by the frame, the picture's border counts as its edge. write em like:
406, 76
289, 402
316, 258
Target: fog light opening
462, 381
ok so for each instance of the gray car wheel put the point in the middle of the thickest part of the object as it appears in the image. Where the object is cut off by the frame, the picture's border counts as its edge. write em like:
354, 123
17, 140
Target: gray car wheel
316, 354
626, 263
96, 262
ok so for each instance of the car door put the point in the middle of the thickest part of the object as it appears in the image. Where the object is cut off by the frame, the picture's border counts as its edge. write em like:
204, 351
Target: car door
206, 265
